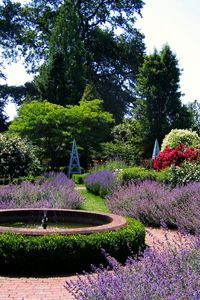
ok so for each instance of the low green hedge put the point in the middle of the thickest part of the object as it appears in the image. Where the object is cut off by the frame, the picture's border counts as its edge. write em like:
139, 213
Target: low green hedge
136, 173
139, 174
5, 181
66, 254
79, 178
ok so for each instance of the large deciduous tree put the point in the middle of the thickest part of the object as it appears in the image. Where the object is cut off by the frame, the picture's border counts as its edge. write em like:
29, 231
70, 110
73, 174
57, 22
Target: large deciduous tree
52, 127
159, 108
77, 42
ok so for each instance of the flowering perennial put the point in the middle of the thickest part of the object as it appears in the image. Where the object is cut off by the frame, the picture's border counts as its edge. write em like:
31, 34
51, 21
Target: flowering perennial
174, 156
55, 191
101, 183
151, 202
168, 275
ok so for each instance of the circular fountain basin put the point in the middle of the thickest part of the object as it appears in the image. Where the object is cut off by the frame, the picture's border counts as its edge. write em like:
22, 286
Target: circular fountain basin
77, 221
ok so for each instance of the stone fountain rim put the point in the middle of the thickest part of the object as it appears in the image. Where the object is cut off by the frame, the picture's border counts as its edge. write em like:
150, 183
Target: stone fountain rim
116, 222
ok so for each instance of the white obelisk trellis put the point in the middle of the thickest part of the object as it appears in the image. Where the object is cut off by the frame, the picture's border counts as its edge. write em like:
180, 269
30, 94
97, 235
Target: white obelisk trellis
156, 149
74, 163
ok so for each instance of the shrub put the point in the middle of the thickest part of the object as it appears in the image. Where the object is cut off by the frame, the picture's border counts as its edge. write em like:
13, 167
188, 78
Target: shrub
53, 190
166, 275
181, 136
112, 165
101, 183
163, 176
174, 156
17, 158
136, 174
72, 253
188, 172
153, 202
79, 178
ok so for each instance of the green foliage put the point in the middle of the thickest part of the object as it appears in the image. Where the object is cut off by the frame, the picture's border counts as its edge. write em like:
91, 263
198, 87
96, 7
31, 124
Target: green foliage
137, 174
61, 79
194, 109
90, 92
73, 253
188, 172
112, 165
79, 178
52, 128
30, 178
78, 46
181, 136
159, 109
90, 125
45, 125
127, 142
163, 176
17, 158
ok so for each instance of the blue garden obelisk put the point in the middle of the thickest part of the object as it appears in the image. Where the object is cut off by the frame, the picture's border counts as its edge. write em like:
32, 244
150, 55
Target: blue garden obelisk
74, 163
156, 149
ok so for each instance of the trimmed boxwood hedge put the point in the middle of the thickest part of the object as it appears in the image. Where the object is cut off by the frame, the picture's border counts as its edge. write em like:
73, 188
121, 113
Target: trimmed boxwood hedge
67, 254
79, 178
136, 174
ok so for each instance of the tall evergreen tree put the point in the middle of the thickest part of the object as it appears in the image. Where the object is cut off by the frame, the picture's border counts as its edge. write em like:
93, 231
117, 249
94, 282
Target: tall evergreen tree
159, 108
77, 42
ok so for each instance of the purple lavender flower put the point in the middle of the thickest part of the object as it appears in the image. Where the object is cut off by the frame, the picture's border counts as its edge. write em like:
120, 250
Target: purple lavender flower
101, 183
162, 276
153, 202
57, 191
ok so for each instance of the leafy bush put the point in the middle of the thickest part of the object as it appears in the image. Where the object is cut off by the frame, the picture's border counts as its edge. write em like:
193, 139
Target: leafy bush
181, 136
30, 178
136, 174
101, 183
166, 275
112, 165
125, 151
188, 172
174, 156
72, 253
53, 190
163, 176
153, 202
79, 178
17, 158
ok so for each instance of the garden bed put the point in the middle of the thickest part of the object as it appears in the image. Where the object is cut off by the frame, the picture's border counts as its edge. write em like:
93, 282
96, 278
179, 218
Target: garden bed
66, 254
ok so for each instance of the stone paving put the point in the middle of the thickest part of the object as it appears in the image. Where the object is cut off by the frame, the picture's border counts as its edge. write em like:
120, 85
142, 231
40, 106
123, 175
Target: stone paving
52, 288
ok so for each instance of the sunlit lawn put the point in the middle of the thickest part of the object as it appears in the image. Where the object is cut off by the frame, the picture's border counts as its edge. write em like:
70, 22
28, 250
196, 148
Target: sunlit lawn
92, 202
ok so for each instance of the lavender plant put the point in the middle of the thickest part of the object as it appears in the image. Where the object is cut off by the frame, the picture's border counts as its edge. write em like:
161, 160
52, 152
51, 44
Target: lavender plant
57, 191
167, 275
101, 183
153, 202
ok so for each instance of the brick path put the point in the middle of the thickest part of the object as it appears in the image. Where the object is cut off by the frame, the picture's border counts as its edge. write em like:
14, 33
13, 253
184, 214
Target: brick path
52, 288
30, 288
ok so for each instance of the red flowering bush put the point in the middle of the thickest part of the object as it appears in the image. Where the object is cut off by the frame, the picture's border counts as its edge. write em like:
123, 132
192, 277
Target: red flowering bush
174, 156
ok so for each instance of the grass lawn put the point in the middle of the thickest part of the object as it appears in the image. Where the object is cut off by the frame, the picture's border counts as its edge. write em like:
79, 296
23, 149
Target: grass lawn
93, 202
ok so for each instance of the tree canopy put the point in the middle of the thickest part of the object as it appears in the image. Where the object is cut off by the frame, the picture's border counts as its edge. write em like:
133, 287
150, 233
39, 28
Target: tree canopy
159, 108
74, 42
52, 128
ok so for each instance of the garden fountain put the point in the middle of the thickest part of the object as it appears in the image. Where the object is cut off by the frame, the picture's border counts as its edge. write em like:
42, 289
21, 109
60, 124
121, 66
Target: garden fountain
34, 221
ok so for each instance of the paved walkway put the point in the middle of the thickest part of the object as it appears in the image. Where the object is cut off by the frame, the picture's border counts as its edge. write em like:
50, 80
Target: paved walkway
52, 288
